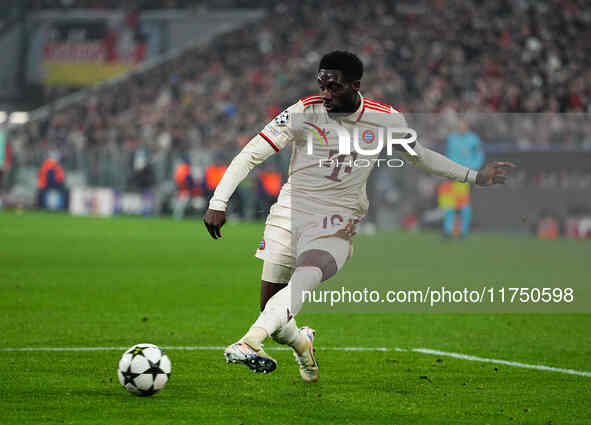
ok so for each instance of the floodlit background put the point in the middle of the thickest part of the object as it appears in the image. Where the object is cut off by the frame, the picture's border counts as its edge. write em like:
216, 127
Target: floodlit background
119, 118
121, 96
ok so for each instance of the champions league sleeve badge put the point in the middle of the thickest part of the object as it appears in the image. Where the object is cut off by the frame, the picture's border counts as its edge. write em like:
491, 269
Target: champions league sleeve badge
282, 118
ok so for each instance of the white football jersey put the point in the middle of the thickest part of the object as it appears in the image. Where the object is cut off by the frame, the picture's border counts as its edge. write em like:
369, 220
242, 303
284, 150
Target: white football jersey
320, 178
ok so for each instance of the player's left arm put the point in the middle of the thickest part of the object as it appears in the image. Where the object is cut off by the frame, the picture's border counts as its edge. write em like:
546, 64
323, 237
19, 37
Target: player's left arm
435, 163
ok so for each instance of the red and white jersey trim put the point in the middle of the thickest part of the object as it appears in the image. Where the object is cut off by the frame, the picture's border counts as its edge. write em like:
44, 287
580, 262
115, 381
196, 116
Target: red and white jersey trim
368, 104
269, 141
310, 100
374, 105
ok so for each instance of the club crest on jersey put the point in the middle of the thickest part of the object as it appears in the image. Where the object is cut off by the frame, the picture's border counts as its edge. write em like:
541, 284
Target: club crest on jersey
368, 136
282, 118
354, 139
262, 244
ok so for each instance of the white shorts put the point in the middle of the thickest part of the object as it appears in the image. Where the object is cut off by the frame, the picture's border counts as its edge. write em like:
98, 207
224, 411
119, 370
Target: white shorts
326, 232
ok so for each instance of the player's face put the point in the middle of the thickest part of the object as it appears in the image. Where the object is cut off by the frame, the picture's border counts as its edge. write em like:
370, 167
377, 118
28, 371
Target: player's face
338, 94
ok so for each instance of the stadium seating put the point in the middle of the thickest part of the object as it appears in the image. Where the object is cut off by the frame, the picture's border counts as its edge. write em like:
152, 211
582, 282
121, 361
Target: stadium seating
423, 57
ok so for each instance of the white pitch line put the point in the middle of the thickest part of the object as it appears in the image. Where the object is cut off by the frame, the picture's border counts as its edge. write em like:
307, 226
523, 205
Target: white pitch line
62, 348
503, 362
380, 349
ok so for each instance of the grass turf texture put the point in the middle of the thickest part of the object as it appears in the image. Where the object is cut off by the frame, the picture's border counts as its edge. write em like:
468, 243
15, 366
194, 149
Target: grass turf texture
83, 282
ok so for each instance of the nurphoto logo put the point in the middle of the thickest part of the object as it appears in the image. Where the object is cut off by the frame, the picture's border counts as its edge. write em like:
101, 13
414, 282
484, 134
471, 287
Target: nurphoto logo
368, 142
404, 137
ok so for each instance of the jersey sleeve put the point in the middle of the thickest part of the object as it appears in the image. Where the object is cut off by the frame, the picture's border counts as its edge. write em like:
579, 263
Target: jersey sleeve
433, 162
282, 129
397, 120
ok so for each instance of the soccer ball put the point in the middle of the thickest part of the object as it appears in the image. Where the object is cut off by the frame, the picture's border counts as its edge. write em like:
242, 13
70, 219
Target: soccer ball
144, 369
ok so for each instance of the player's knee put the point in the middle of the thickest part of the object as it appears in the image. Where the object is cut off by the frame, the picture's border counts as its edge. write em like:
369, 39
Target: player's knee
321, 259
276, 273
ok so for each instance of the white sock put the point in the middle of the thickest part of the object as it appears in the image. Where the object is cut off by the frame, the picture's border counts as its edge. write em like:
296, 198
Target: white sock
286, 303
255, 337
291, 335
287, 334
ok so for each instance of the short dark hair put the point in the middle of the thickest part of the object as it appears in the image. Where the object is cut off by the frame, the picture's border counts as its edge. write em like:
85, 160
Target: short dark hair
347, 62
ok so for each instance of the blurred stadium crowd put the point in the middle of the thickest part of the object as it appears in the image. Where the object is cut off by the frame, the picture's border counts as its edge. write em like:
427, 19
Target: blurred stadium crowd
36, 5
106, 4
436, 56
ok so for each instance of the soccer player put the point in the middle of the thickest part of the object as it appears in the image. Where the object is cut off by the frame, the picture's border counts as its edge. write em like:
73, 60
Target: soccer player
308, 232
464, 147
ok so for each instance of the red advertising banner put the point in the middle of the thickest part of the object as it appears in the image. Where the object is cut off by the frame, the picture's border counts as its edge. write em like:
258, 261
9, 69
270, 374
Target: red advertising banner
78, 53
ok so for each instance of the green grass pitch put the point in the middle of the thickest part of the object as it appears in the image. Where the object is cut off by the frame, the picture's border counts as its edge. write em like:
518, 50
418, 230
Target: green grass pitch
86, 282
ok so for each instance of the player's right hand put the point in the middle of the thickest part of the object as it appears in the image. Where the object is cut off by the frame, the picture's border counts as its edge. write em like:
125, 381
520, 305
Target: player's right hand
214, 220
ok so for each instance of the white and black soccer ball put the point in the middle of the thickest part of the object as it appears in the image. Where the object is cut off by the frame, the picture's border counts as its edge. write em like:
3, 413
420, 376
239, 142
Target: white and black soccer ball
144, 369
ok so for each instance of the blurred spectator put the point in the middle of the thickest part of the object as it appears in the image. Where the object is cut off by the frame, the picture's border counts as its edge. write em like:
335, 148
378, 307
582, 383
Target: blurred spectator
52, 193
548, 225
578, 222
186, 187
142, 168
213, 174
5, 160
268, 187
240, 201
